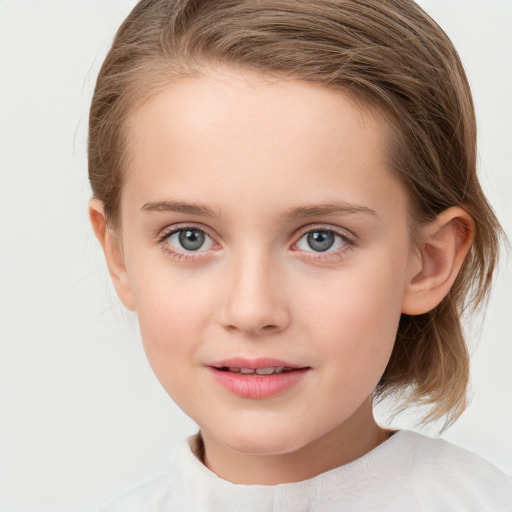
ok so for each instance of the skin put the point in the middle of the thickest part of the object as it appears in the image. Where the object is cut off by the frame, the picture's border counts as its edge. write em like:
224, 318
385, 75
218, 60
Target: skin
251, 153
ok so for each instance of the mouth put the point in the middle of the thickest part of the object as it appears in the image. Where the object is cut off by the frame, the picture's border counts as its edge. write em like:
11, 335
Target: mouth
270, 370
260, 366
256, 379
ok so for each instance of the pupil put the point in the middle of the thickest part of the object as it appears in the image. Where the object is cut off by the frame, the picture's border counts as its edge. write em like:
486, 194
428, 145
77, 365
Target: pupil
191, 239
320, 240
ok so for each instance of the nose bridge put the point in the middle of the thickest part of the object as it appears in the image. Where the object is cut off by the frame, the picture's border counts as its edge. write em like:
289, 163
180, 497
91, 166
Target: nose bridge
254, 301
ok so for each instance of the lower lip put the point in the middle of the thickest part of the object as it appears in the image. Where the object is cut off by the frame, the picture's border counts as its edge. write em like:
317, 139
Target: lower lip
258, 386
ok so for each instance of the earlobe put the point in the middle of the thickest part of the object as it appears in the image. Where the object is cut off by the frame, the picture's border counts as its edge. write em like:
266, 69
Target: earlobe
113, 253
443, 247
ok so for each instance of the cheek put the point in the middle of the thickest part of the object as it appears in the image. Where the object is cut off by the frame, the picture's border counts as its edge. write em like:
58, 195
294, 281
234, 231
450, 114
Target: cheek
168, 299
173, 313
357, 318
171, 334
170, 316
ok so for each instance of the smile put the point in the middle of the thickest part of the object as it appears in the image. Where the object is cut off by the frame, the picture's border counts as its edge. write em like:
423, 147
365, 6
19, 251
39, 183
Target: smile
263, 378
271, 370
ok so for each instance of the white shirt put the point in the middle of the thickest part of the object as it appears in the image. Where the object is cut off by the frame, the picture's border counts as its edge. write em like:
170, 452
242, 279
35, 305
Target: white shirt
409, 472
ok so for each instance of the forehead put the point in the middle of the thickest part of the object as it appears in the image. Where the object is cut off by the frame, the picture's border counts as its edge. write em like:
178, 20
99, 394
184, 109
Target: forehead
246, 100
233, 132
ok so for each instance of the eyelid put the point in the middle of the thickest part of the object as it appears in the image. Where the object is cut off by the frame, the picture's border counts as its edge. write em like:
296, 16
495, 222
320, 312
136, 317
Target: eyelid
182, 226
348, 238
184, 256
345, 233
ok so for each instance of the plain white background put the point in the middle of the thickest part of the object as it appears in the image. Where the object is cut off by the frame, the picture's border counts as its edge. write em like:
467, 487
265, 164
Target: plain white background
81, 415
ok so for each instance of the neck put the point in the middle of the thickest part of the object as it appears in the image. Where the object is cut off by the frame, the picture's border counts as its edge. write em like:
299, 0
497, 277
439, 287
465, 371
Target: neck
354, 438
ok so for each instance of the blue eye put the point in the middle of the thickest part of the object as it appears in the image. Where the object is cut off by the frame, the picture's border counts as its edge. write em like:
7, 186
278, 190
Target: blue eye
190, 240
321, 241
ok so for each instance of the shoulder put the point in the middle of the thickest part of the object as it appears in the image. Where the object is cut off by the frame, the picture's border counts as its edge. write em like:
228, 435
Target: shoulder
147, 497
436, 453
172, 486
436, 468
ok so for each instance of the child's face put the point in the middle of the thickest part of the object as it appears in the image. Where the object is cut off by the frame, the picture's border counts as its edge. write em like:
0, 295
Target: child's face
261, 228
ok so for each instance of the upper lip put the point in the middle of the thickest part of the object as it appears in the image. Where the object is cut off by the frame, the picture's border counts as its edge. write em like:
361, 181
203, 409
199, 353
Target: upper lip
262, 362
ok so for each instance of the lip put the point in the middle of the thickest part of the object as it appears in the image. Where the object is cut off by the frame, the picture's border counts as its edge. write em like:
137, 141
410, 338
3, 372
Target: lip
256, 386
260, 362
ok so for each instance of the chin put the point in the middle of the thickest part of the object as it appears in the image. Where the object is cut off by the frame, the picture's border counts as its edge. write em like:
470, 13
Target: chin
263, 441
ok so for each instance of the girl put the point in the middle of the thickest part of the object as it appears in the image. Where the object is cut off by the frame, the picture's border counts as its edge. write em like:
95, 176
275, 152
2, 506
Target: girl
286, 195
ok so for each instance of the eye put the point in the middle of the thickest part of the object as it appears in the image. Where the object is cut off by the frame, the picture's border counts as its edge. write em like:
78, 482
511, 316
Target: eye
189, 240
320, 240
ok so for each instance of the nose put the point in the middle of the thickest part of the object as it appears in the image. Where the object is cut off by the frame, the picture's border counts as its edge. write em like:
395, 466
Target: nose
254, 297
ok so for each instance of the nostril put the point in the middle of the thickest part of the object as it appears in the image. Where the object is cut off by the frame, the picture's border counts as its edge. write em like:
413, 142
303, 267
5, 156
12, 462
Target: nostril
252, 316
252, 329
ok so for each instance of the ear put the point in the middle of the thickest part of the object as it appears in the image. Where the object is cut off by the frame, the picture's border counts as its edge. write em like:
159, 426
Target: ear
113, 252
444, 243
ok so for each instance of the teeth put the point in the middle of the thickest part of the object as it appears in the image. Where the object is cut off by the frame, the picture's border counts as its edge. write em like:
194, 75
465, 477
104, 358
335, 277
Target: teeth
261, 371
258, 371
265, 371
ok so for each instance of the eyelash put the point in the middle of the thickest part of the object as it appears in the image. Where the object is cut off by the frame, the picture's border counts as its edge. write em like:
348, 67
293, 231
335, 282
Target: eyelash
348, 241
182, 255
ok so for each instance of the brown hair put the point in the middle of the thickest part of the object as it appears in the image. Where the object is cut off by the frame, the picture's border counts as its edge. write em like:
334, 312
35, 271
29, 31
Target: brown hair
391, 56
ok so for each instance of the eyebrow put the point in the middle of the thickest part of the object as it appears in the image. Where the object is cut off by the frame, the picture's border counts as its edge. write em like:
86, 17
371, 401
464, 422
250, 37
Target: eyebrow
299, 212
336, 208
179, 207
